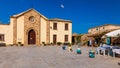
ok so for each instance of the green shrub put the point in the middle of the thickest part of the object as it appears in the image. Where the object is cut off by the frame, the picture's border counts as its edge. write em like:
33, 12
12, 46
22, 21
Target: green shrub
66, 43
59, 43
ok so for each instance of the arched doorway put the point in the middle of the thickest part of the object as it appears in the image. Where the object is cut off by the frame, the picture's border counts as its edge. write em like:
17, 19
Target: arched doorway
31, 37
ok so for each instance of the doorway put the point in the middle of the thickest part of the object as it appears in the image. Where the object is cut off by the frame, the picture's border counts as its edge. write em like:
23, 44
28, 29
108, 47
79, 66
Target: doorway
54, 39
31, 37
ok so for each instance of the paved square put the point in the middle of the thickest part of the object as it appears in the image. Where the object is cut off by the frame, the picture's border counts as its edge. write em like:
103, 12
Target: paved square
52, 57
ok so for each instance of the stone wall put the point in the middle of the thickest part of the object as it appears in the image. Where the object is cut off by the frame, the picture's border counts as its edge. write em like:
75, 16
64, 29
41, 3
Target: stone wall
35, 25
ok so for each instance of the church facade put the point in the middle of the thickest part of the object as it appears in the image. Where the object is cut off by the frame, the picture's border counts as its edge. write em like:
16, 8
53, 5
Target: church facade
31, 27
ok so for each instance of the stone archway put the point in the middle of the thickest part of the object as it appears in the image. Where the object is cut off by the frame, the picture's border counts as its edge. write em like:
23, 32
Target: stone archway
27, 35
31, 37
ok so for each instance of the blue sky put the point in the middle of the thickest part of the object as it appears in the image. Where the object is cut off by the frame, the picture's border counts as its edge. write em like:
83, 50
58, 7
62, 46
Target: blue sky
84, 14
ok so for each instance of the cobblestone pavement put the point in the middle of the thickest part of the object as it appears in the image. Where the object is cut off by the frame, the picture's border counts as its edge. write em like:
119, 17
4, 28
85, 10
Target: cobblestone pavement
52, 57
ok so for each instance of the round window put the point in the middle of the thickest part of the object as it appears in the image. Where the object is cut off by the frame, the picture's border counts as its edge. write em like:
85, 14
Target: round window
31, 18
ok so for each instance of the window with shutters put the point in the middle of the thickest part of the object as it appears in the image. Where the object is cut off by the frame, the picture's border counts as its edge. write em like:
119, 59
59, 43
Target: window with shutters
54, 26
66, 26
66, 38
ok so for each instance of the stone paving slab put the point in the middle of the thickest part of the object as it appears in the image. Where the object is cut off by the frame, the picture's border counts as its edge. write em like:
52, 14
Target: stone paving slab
52, 57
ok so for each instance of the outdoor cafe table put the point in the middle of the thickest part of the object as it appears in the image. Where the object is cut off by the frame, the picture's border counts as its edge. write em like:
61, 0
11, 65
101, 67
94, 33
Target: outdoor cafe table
116, 51
103, 48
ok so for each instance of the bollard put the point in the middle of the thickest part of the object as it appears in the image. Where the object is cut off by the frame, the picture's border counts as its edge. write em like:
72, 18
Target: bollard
78, 51
91, 54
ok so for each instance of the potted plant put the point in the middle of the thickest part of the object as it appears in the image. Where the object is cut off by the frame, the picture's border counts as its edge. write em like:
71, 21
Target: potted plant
19, 43
43, 43
51, 44
59, 43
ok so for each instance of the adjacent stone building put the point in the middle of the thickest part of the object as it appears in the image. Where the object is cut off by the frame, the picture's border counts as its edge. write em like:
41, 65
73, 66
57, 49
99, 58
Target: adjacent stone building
31, 27
103, 28
96, 33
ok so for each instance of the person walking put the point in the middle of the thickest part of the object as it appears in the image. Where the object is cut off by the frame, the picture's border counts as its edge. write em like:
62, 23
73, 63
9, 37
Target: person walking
90, 43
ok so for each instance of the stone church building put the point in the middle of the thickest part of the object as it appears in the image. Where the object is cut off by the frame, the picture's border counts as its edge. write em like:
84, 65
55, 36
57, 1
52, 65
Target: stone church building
31, 27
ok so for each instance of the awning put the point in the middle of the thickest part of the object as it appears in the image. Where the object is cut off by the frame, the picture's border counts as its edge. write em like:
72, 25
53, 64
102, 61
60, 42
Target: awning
115, 33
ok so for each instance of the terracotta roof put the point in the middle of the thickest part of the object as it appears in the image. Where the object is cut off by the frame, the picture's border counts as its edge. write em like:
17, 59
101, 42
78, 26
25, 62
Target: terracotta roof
57, 19
18, 15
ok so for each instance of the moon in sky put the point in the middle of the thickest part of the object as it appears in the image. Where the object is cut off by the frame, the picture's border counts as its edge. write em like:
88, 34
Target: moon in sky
62, 6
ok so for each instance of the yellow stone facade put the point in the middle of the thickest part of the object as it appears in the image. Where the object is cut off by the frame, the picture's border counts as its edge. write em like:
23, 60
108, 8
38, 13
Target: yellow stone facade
24, 25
